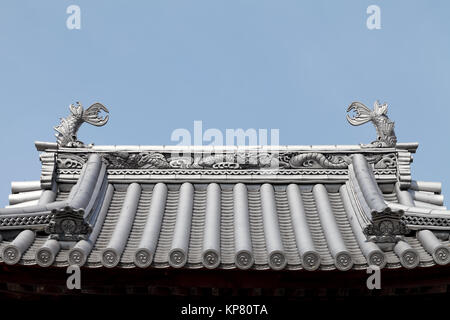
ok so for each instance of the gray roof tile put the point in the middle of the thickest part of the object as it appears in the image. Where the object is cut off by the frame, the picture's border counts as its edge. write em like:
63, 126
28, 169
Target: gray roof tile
253, 221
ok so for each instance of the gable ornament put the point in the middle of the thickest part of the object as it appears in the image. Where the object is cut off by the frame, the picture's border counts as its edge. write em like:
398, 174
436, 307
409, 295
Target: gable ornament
378, 116
67, 130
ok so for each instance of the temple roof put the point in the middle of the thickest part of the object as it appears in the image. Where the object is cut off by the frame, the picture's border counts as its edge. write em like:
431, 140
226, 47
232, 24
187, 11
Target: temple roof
142, 206
274, 207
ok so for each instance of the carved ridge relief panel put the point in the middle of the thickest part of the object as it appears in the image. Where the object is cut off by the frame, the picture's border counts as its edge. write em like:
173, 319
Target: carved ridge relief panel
228, 163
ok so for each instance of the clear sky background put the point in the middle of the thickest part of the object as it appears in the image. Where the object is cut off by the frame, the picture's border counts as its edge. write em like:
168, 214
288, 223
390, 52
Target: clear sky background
288, 65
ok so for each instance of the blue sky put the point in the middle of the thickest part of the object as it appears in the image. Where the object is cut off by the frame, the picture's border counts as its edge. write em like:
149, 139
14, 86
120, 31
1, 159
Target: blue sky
288, 65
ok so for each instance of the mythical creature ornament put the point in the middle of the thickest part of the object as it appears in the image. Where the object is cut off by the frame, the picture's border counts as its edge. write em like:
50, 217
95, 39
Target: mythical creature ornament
68, 128
378, 116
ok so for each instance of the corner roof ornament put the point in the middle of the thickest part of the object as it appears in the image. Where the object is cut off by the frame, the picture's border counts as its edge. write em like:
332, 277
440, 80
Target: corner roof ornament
378, 116
68, 128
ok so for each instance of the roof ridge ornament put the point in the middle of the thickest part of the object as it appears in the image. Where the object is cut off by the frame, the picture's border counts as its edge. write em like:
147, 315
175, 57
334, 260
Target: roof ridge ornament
378, 116
68, 128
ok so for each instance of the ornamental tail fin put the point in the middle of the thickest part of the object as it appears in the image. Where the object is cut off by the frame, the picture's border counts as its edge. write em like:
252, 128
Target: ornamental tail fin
361, 116
92, 115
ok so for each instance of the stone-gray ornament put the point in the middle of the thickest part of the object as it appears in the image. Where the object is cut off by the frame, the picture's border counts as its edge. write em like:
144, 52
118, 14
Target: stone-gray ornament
378, 116
68, 128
